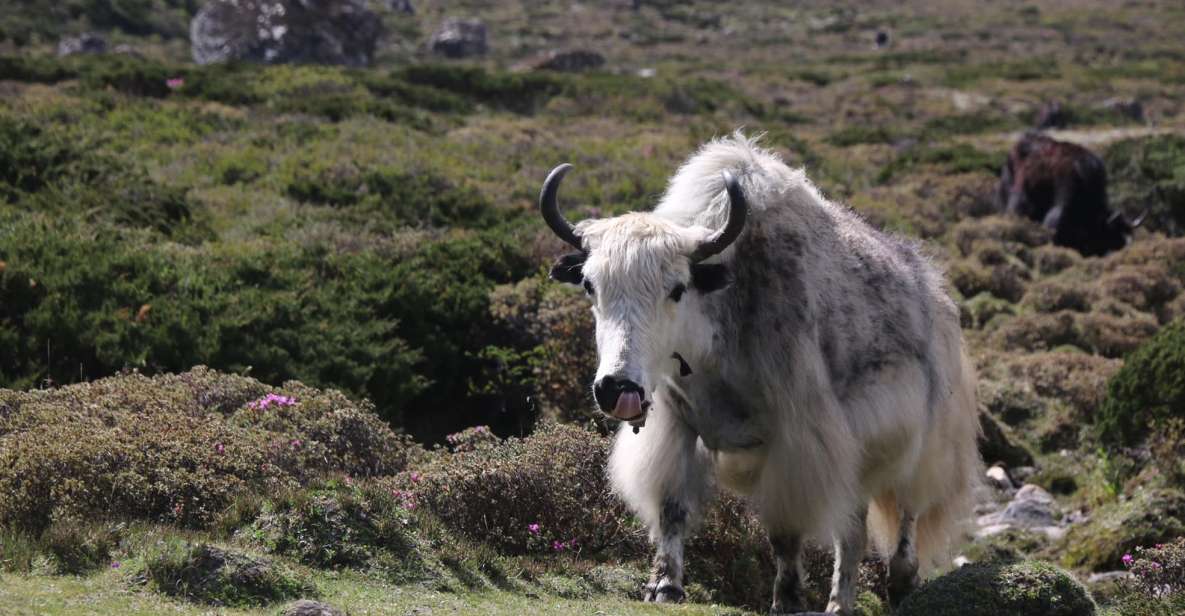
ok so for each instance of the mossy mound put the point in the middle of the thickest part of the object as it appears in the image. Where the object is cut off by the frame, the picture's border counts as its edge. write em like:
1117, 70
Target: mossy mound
216, 576
1149, 388
1147, 518
1028, 588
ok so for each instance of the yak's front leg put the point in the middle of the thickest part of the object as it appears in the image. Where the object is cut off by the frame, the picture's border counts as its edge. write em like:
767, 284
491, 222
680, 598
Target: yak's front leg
788, 597
666, 576
849, 551
903, 566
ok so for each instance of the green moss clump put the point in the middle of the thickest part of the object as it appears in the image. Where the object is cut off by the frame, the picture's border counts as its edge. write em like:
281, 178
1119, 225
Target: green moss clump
1146, 518
1149, 388
1008, 546
1028, 588
216, 576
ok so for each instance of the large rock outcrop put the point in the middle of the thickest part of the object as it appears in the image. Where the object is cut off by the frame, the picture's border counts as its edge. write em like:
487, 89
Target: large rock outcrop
285, 31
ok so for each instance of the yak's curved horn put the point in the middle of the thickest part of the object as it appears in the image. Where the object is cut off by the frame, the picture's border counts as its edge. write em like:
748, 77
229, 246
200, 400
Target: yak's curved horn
738, 211
550, 208
1140, 219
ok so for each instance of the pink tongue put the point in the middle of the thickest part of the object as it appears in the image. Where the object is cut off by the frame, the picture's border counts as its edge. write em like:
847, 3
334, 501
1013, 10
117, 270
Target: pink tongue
629, 406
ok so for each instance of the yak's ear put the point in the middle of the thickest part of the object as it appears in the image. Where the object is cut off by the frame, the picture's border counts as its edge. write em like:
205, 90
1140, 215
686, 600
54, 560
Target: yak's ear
708, 277
569, 268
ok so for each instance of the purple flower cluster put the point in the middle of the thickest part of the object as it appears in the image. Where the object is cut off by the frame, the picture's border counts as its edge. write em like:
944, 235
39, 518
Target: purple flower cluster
269, 400
560, 546
406, 498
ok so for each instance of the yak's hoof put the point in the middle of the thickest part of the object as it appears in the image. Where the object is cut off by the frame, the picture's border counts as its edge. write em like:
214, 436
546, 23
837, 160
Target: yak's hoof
664, 593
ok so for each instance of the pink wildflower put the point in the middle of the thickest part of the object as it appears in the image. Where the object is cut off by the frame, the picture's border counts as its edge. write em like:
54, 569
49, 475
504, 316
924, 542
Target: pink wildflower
534, 528
115, 564
295, 443
175, 83
219, 448
415, 477
1127, 559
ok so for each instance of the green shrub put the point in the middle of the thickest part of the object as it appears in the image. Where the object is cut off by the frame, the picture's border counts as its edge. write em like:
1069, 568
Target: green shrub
1026, 588
408, 332
519, 92
47, 170
858, 134
1150, 173
217, 576
176, 448
402, 197
949, 159
1149, 388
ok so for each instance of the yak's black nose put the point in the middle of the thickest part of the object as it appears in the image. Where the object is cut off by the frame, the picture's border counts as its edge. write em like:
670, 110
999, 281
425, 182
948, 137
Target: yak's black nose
621, 398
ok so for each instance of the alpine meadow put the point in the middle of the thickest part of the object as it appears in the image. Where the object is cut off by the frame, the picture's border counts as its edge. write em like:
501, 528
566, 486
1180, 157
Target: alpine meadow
863, 308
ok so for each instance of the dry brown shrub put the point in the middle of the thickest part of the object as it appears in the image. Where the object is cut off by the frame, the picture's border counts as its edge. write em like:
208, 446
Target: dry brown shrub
1054, 296
176, 447
1078, 379
1050, 259
1144, 287
1112, 336
1037, 332
1009, 230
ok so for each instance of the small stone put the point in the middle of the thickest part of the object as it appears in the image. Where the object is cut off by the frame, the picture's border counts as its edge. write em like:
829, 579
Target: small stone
572, 61
86, 43
1127, 107
998, 477
460, 38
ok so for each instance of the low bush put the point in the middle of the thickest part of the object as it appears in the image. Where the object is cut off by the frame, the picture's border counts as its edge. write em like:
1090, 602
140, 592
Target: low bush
79, 547
207, 574
48, 171
176, 448
395, 196
542, 494
958, 158
1026, 588
1149, 388
334, 526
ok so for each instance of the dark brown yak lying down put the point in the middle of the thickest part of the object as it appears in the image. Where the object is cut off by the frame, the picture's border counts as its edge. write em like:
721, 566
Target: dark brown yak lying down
1064, 187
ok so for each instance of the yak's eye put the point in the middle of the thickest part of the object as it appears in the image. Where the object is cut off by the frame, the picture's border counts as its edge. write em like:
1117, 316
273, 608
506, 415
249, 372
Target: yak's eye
677, 292
588, 288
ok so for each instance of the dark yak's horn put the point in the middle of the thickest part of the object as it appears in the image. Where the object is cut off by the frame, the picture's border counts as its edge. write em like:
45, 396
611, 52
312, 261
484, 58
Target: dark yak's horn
550, 208
738, 211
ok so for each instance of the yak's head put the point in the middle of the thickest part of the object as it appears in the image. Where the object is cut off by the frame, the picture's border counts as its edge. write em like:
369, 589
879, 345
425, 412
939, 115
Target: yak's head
1118, 230
646, 278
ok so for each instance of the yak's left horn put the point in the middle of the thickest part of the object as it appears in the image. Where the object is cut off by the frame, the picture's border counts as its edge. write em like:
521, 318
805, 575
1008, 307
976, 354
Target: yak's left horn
738, 211
1139, 219
550, 208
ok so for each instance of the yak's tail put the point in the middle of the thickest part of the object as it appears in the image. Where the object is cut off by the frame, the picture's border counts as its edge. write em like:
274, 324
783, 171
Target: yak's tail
943, 491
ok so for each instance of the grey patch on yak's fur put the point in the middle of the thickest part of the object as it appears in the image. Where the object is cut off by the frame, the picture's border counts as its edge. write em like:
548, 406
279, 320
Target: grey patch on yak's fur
717, 413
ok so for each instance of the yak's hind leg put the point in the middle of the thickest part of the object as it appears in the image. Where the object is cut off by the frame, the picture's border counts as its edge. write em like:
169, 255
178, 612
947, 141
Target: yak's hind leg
849, 551
788, 597
903, 566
